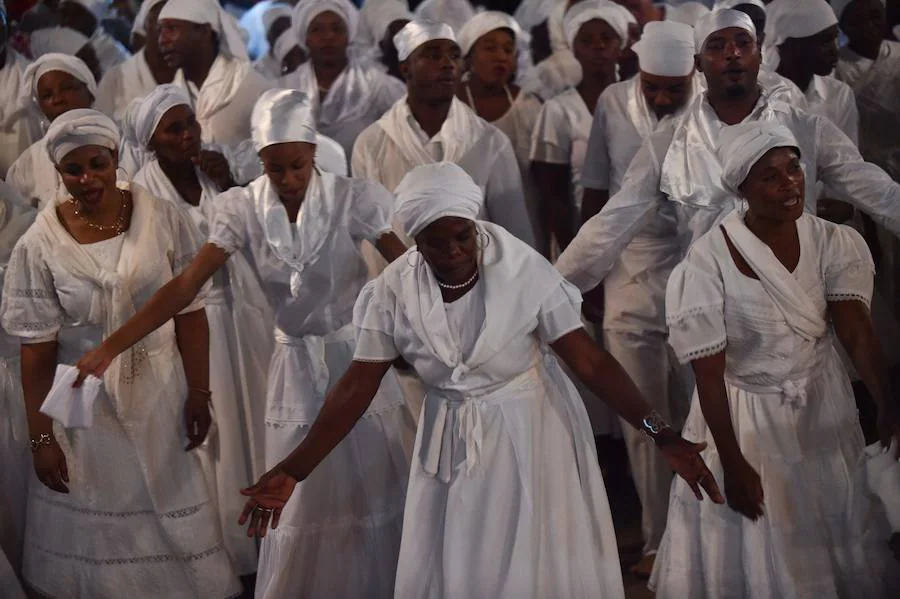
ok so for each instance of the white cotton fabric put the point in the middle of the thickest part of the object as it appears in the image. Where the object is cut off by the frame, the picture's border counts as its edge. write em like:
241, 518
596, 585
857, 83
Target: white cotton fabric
798, 18
417, 32
687, 13
140, 19
340, 531
719, 20
282, 47
742, 145
307, 10
588, 10
143, 115
434, 191
72, 408
282, 116
455, 13
381, 15
501, 428
330, 156
274, 12
55, 62
796, 422
138, 516
482, 24
78, 128
666, 49
834, 100
110, 53
123, 83
19, 127
209, 12
63, 40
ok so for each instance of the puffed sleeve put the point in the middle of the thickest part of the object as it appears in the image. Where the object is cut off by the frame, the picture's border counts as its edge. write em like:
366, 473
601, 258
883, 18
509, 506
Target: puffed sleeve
186, 242
229, 226
30, 308
695, 300
552, 137
848, 267
373, 317
371, 210
560, 314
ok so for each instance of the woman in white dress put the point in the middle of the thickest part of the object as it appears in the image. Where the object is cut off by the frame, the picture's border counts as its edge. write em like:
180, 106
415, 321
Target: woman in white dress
120, 508
505, 496
301, 229
240, 319
757, 307
349, 93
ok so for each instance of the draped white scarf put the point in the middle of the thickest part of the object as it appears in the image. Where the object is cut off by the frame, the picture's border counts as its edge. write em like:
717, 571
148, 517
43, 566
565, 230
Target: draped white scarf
224, 80
348, 98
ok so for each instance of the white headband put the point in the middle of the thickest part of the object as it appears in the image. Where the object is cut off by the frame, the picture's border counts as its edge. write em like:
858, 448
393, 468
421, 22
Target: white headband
78, 128
719, 20
417, 32
741, 146
666, 48
282, 116
588, 10
307, 10
208, 12
433, 191
143, 114
63, 40
482, 24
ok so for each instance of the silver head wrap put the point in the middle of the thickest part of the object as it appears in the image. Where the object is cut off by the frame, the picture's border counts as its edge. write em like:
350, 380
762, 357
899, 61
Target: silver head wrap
742, 145
63, 40
687, 13
666, 48
433, 191
98, 8
307, 10
57, 62
209, 12
719, 20
482, 24
418, 32
614, 15
143, 114
282, 116
140, 20
78, 128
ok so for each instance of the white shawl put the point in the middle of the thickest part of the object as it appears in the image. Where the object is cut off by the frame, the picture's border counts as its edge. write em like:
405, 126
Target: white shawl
348, 98
222, 83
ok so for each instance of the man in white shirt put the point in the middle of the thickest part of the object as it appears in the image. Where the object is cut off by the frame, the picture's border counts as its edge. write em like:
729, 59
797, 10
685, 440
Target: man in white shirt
634, 325
84, 16
431, 125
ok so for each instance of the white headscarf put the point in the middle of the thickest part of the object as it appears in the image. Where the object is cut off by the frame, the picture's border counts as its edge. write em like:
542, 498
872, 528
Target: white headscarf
742, 145
77, 128
797, 18
283, 45
98, 8
418, 32
140, 20
208, 12
143, 114
282, 116
719, 20
482, 24
386, 14
433, 191
666, 48
275, 12
330, 156
63, 40
307, 10
57, 62
687, 13
588, 10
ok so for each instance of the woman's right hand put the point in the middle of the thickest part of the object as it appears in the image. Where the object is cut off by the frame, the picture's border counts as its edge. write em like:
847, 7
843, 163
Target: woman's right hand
266, 499
94, 363
50, 467
743, 489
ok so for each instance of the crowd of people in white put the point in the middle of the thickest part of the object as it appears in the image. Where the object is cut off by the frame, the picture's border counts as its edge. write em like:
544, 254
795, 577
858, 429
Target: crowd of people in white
324, 301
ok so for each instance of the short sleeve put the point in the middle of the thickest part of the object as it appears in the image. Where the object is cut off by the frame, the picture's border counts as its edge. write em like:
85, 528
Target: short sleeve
186, 242
30, 308
371, 210
229, 226
560, 314
373, 317
695, 300
595, 171
848, 267
552, 137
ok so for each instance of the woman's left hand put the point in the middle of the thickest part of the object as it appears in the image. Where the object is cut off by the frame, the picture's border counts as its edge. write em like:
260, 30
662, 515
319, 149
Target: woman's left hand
215, 166
197, 418
266, 499
684, 458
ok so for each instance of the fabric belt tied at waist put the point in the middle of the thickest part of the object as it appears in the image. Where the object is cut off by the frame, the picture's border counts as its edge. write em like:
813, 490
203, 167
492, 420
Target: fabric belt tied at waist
314, 347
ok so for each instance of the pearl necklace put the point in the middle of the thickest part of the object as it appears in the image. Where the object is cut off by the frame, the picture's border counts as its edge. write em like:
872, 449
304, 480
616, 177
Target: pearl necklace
461, 285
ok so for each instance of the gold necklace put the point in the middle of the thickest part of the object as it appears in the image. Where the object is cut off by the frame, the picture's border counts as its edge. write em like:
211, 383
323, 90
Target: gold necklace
119, 225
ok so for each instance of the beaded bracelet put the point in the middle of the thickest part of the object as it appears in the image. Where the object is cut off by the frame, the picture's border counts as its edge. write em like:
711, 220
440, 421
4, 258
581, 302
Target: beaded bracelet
44, 440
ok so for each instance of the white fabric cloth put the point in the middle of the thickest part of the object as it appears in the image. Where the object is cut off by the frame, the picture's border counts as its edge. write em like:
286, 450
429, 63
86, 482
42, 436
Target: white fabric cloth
833, 99
719, 20
419, 31
433, 191
139, 27
110, 53
143, 116
306, 11
63, 40
666, 49
455, 13
531, 13
282, 116
55, 62
883, 479
796, 422
799, 18
138, 516
742, 145
720, 4
18, 128
687, 13
374, 18
396, 144
330, 156
72, 408
482, 24
78, 128
269, 64
123, 83
589, 10
34, 176
209, 12
502, 429
553, 75
340, 531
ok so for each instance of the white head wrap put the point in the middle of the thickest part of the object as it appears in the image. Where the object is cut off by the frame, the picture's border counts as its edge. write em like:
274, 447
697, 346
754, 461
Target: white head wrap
208, 12
732, 3
742, 145
140, 20
77, 128
418, 32
666, 48
588, 10
275, 12
330, 156
433, 191
56, 39
719, 20
307, 10
98, 8
283, 45
386, 14
143, 114
482, 24
282, 116
797, 18
688, 13
57, 62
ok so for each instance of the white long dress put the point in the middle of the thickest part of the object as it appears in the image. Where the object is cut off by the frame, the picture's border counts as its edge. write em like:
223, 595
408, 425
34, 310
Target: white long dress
796, 422
505, 495
138, 520
240, 343
339, 534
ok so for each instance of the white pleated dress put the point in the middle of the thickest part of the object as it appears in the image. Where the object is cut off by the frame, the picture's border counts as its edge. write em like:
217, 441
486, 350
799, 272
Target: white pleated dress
505, 496
795, 418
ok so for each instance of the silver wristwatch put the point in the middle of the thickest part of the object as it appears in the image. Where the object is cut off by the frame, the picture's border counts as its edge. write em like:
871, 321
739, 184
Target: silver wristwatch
653, 424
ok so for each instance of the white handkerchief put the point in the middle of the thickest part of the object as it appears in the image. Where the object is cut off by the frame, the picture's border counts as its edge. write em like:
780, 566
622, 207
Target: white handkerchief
73, 408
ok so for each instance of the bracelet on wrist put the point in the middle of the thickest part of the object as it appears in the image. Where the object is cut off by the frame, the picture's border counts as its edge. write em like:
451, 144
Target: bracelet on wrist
43, 440
654, 426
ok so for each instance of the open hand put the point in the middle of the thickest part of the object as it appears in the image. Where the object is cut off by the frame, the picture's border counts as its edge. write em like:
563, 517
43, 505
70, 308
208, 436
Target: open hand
93, 363
50, 467
215, 166
266, 500
684, 458
743, 488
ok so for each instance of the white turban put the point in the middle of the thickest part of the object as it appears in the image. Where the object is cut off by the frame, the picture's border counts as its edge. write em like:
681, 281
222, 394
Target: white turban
98, 8
283, 45
741, 146
719, 20
208, 12
330, 156
482, 24
732, 3
417, 32
140, 20
687, 13
57, 62
386, 14
143, 114
77, 128
797, 18
275, 12
666, 48
588, 10
282, 116
307, 10
433, 191
63, 40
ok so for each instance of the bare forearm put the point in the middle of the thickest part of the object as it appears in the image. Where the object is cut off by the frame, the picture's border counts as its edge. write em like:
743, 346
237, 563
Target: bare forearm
609, 381
192, 336
38, 371
592, 203
714, 405
868, 359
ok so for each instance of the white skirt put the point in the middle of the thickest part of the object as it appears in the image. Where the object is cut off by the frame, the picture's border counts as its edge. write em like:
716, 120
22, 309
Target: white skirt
506, 499
16, 465
822, 537
339, 535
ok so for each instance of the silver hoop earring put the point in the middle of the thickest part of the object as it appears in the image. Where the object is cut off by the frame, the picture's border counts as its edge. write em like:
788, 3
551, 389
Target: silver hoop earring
416, 255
